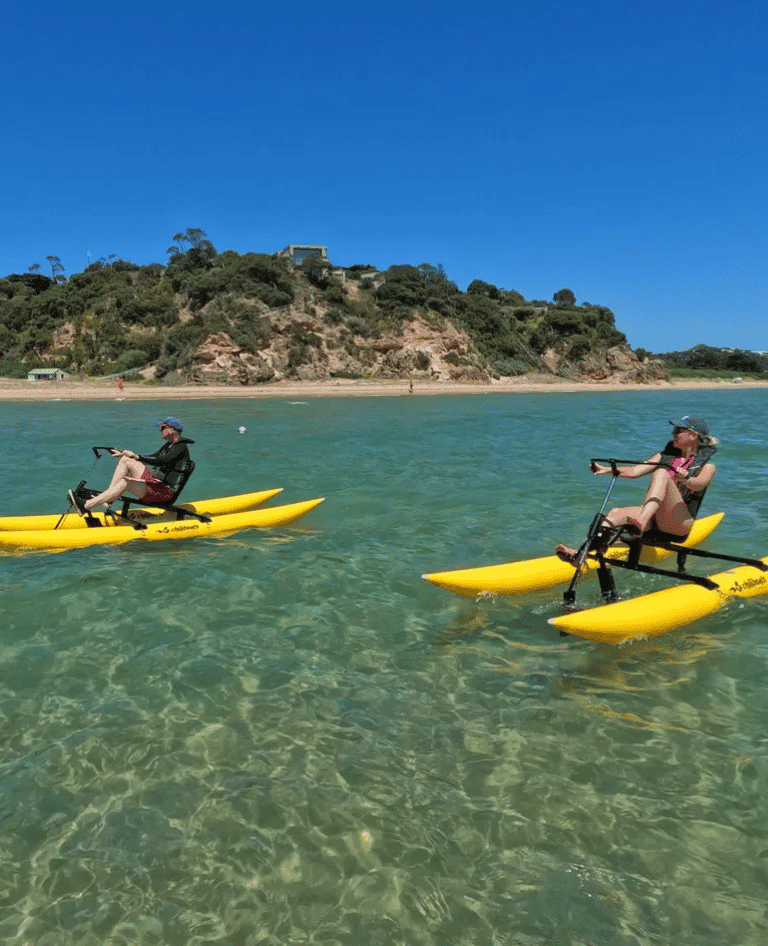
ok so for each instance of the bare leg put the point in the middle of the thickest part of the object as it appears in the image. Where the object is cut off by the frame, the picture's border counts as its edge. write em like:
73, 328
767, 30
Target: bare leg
126, 478
663, 506
633, 515
616, 517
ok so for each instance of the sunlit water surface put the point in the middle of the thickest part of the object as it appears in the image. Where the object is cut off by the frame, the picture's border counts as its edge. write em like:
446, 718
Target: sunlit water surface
288, 737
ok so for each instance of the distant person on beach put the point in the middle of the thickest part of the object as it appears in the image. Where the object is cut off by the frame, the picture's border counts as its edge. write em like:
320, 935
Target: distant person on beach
132, 474
120, 383
674, 495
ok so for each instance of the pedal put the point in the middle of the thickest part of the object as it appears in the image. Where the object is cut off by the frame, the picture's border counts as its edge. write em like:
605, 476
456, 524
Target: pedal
84, 492
629, 533
608, 536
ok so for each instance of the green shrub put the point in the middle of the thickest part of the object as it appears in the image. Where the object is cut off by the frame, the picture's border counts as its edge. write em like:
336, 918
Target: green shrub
302, 334
317, 270
299, 354
715, 373
151, 309
509, 367
135, 358
11, 368
335, 294
359, 327
442, 304
179, 344
274, 298
578, 346
566, 322
252, 335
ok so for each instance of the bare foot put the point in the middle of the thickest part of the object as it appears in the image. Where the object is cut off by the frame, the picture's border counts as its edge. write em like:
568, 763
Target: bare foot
565, 554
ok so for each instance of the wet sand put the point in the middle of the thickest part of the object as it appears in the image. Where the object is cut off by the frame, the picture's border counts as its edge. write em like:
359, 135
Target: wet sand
20, 390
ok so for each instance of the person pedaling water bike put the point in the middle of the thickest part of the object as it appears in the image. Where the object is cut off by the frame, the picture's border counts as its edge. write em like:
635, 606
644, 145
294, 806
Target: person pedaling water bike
132, 474
676, 490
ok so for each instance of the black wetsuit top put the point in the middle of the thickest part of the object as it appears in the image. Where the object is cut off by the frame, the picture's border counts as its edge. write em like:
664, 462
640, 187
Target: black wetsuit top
171, 462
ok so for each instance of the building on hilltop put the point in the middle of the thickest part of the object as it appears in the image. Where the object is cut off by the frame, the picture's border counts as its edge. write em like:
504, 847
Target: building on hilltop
299, 253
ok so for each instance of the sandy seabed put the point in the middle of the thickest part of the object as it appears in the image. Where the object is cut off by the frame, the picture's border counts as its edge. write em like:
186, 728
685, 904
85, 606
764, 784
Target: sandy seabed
19, 390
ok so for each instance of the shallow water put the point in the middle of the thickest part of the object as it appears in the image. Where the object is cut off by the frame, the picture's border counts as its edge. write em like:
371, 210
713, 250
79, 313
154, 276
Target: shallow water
288, 737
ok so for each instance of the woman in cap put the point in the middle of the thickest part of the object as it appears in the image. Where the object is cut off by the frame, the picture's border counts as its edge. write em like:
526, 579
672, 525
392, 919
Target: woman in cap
132, 474
676, 490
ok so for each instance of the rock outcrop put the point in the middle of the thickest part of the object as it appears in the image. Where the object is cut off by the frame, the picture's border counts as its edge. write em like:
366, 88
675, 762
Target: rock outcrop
614, 365
317, 351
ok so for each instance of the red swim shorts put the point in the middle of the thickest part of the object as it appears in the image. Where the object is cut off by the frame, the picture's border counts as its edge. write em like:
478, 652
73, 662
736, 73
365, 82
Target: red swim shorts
156, 491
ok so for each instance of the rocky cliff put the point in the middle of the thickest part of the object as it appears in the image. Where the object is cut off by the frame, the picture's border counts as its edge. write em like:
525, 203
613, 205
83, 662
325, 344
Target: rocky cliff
304, 341
422, 350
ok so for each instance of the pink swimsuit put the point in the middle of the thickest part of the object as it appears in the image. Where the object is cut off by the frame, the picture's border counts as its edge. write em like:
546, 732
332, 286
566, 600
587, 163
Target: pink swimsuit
678, 464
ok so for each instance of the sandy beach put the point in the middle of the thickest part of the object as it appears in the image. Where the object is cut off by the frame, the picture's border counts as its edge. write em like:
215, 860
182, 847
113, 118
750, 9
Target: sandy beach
21, 390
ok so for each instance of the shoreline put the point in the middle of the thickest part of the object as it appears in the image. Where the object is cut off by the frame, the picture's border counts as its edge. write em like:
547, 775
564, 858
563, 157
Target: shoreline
21, 390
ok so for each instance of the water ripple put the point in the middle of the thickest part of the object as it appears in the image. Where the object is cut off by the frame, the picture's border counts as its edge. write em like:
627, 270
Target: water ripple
288, 737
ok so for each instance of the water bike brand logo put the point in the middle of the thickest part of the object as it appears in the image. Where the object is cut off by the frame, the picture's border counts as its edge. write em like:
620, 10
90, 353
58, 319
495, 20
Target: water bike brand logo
192, 527
739, 586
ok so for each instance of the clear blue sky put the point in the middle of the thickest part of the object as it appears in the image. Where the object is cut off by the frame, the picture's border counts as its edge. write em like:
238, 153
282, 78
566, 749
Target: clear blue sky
614, 149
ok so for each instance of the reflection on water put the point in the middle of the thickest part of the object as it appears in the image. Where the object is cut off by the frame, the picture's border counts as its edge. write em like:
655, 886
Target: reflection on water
289, 737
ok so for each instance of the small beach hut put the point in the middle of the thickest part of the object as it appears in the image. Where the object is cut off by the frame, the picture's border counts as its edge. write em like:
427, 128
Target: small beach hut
47, 374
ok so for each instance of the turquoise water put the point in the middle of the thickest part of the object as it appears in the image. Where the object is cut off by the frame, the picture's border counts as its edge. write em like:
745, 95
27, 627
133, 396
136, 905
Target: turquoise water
288, 737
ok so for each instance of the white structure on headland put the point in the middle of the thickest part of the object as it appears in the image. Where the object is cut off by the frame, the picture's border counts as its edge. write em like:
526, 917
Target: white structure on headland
47, 374
299, 253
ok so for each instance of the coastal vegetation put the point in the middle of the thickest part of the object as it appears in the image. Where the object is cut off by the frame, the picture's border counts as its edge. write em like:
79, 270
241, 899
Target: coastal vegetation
706, 362
274, 317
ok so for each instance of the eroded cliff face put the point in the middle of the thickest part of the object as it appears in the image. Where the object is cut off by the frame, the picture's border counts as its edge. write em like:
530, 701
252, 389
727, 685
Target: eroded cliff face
305, 342
421, 352
614, 365
318, 351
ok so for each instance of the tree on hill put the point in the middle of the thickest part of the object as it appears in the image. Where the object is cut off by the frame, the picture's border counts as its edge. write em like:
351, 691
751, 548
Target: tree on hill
192, 235
564, 298
479, 288
200, 254
36, 282
512, 297
434, 275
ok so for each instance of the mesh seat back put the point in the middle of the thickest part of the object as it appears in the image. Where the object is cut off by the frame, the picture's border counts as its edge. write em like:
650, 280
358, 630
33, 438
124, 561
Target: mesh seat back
185, 475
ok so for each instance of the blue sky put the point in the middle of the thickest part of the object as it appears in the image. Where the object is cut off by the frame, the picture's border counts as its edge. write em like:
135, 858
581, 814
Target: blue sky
618, 150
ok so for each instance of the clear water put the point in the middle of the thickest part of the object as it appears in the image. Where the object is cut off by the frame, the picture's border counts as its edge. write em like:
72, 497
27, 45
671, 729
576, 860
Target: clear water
288, 737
